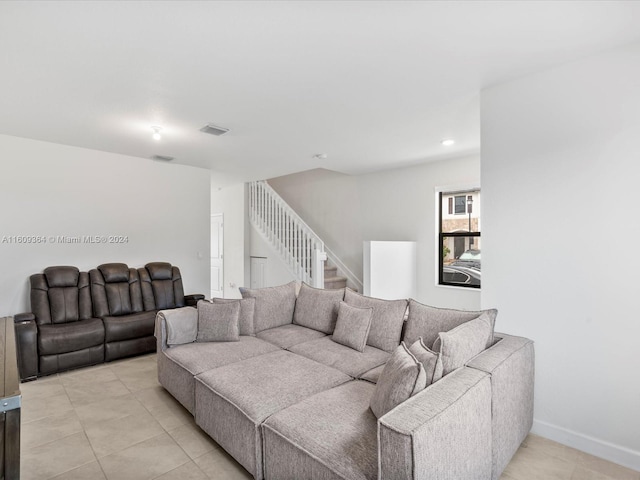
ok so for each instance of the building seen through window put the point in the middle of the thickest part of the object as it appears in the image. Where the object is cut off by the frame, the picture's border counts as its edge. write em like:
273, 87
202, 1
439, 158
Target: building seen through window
459, 238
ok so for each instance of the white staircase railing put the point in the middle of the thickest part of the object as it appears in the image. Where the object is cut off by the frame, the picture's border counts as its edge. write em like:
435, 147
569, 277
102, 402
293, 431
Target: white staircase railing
301, 249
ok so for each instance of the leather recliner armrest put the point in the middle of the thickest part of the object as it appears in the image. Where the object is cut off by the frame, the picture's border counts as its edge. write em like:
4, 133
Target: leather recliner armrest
192, 299
27, 345
24, 317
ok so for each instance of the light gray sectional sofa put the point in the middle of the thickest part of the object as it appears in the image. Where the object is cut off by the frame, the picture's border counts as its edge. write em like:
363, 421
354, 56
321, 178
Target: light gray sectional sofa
289, 400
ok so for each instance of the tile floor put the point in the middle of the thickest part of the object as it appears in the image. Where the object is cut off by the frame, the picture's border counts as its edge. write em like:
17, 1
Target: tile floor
115, 422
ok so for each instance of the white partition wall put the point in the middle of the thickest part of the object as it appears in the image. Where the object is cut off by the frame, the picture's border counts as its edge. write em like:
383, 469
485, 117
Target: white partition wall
389, 269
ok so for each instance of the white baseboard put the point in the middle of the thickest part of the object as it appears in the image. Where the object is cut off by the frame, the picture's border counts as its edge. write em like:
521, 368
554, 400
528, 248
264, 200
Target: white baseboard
609, 451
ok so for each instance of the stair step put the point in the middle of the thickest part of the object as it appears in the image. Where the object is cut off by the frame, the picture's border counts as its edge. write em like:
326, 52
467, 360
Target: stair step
335, 282
330, 271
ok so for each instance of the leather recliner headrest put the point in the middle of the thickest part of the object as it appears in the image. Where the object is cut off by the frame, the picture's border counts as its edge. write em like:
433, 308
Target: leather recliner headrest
61, 276
114, 272
159, 270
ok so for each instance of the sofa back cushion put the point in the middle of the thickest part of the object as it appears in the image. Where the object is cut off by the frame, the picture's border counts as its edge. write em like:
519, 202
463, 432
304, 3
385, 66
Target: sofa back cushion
60, 295
317, 308
218, 322
427, 322
246, 315
464, 342
115, 290
274, 305
402, 377
386, 320
353, 326
161, 285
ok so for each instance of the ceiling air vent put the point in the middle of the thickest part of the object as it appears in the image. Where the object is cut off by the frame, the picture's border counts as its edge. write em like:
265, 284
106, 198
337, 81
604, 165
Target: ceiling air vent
162, 158
213, 130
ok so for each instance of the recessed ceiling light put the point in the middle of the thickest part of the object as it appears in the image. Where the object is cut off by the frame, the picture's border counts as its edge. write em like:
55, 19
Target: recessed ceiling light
213, 130
156, 132
162, 158
447, 142
320, 156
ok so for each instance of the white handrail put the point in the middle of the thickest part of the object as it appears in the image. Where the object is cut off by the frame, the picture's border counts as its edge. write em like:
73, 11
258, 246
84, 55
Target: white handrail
302, 250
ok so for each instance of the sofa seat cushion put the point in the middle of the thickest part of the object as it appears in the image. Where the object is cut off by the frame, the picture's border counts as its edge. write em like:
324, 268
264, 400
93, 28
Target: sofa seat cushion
177, 366
326, 351
70, 337
287, 336
332, 434
372, 375
233, 401
196, 358
126, 327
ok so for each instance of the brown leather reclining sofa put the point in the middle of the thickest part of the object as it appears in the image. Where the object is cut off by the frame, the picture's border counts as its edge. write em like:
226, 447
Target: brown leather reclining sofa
81, 318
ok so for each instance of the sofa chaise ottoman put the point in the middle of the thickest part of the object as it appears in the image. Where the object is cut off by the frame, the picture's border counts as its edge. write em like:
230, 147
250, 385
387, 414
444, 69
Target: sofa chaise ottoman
330, 384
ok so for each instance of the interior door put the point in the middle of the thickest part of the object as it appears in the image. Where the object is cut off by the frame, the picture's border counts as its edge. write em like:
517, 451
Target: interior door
258, 272
217, 254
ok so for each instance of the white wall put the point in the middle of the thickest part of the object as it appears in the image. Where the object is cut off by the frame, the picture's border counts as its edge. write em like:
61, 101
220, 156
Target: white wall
560, 174
396, 205
231, 202
49, 190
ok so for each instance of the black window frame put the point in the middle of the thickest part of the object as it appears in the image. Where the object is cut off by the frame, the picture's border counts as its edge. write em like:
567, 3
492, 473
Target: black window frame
442, 236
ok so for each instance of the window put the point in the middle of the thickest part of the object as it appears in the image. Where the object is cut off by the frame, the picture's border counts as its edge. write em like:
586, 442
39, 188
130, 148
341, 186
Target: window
459, 239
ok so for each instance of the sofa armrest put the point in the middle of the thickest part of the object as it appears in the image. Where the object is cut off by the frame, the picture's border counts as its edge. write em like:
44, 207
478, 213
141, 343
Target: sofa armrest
511, 364
442, 432
26, 345
179, 316
193, 299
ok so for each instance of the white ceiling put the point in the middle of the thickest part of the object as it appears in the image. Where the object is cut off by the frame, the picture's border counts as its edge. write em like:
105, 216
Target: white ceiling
373, 85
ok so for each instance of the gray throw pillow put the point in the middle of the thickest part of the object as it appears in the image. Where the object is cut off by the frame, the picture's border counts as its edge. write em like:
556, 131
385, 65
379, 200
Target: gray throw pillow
274, 305
317, 308
427, 322
403, 376
386, 321
218, 322
247, 311
430, 360
352, 326
182, 325
464, 342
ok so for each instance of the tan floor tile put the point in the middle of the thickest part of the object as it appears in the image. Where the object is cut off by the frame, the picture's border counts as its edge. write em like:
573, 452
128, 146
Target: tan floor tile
128, 364
140, 379
582, 473
156, 397
40, 407
606, 468
84, 393
531, 464
188, 471
145, 460
110, 409
218, 464
42, 387
114, 435
193, 440
96, 374
57, 457
171, 417
48, 429
505, 476
90, 471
